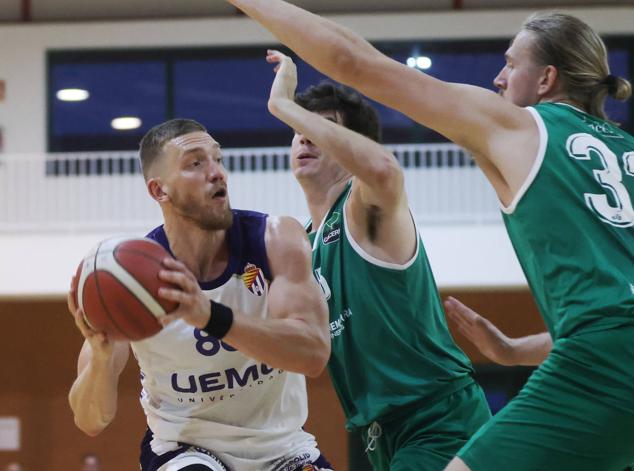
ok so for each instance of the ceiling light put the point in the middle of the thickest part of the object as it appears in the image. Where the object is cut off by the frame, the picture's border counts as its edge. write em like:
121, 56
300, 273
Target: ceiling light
419, 62
423, 62
72, 94
125, 122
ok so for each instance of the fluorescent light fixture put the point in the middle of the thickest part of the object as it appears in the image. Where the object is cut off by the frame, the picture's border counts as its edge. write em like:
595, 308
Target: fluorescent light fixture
126, 122
419, 62
72, 94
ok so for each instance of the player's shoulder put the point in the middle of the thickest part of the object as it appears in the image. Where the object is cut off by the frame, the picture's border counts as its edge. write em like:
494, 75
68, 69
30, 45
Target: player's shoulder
248, 217
284, 228
285, 236
287, 246
249, 226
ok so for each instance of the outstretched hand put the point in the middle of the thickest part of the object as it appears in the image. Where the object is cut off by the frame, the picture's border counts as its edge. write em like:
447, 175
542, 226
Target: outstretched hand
285, 82
194, 307
491, 342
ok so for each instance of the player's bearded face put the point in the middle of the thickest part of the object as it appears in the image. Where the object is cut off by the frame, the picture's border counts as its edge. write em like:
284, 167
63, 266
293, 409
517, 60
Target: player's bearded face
197, 181
203, 210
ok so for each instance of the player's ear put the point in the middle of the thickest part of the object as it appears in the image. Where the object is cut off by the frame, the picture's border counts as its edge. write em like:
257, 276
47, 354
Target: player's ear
548, 82
155, 189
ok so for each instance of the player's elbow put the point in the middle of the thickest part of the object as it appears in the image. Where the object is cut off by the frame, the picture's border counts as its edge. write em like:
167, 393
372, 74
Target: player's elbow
90, 428
90, 420
319, 357
387, 171
387, 177
346, 64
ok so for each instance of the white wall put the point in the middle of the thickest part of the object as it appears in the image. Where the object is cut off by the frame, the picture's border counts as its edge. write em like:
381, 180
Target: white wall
477, 257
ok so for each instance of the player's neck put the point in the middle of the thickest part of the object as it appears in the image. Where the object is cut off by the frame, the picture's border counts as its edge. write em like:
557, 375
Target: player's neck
320, 198
204, 252
562, 98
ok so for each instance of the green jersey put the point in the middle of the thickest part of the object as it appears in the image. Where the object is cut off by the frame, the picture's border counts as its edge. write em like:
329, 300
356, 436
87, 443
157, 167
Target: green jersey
572, 223
390, 342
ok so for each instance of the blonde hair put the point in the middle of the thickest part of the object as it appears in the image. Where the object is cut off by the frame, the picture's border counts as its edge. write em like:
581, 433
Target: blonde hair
580, 57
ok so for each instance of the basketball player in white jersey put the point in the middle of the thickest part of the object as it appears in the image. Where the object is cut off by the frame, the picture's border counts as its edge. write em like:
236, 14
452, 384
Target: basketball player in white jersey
223, 382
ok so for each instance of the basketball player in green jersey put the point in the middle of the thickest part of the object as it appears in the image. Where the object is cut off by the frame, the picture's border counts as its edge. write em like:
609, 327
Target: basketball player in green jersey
530, 350
565, 177
398, 374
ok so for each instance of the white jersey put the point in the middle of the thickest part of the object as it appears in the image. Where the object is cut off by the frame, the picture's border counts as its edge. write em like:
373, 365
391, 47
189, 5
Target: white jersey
201, 391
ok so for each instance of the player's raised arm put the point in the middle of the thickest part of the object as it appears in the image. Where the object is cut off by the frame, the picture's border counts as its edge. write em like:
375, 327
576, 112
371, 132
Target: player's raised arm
474, 118
377, 172
93, 395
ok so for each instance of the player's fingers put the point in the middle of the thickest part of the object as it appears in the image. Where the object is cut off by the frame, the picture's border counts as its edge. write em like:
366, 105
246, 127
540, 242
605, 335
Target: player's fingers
271, 57
70, 301
82, 325
455, 318
180, 279
454, 313
167, 319
174, 264
177, 266
460, 309
175, 295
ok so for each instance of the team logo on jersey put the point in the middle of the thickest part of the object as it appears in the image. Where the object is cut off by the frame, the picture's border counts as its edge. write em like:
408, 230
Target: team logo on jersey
604, 129
253, 279
332, 229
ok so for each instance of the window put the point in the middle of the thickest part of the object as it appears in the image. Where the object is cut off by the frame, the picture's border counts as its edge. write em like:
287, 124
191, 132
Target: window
227, 89
132, 87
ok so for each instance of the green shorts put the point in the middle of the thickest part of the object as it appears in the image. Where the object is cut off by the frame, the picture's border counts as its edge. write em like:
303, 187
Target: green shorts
427, 438
576, 411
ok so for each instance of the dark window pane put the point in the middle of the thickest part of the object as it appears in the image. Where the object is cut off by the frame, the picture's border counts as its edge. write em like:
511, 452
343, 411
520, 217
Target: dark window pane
227, 90
229, 96
116, 89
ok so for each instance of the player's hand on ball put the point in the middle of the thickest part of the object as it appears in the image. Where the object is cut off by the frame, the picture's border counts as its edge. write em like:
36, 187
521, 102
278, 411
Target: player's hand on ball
193, 305
99, 341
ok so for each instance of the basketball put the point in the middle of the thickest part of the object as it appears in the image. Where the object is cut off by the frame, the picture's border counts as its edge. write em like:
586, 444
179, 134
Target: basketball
116, 286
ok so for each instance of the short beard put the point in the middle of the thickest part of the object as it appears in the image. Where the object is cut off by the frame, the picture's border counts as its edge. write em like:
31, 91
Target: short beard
202, 217
214, 223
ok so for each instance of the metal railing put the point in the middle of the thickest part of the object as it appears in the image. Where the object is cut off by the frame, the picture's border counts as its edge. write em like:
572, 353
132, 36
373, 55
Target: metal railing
105, 191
